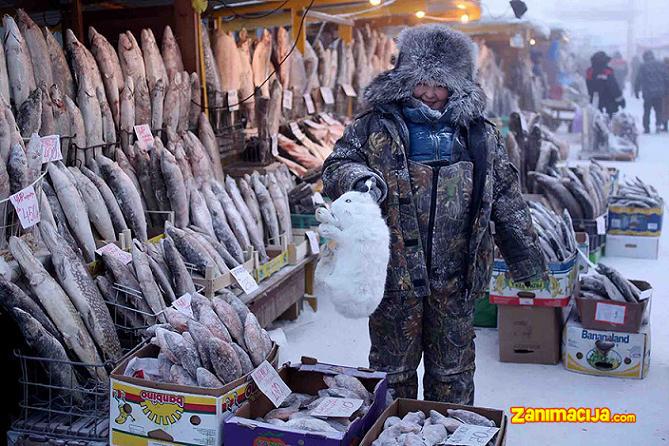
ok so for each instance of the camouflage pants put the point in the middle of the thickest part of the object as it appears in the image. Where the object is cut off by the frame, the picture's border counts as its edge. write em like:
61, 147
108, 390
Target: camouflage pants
439, 326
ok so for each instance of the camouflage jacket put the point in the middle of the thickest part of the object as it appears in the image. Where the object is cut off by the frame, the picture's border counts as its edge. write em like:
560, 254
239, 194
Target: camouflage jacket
374, 145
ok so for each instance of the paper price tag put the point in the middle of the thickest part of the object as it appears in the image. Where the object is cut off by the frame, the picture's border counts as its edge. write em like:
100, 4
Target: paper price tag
288, 99
270, 383
471, 435
294, 128
601, 225
182, 305
51, 148
27, 207
233, 100
614, 314
326, 94
337, 407
312, 237
317, 198
328, 119
113, 250
349, 91
144, 136
246, 282
311, 109
275, 145
525, 301
313, 125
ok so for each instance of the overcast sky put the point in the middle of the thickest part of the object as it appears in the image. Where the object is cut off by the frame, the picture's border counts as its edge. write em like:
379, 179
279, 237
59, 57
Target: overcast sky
604, 20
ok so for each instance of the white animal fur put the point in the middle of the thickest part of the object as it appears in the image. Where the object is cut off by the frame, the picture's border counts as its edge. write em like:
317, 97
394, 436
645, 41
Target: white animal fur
353, 273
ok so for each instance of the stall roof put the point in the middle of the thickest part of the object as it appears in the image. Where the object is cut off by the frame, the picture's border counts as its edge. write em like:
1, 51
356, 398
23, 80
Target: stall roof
505, 27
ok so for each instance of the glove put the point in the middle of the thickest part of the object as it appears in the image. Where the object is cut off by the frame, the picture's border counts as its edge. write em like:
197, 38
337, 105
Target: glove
622, 103
368, 185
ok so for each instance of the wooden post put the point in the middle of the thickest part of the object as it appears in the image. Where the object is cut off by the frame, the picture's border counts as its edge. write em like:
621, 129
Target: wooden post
296, 19
186, 29
77, 20
346, 33
201, 69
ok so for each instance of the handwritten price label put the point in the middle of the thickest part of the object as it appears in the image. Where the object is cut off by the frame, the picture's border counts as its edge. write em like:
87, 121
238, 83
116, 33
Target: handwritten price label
471, 435
611, 313
313, 242
275, 145
51, 148
270, 383
233, 100
326, 94
309, 102
246, 282
328, 119
144, 136
182, 305
337, 407
287, 99
349, 91
27, 207
601, 225
116, 252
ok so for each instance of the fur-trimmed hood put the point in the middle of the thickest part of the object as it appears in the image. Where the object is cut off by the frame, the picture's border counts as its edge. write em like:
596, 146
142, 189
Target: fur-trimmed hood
433, 55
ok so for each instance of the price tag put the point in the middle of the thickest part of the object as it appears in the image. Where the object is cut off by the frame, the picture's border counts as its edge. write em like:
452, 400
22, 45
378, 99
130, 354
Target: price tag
337, 407
317, 199
611, 313
311, 109
144, 136
182, 305
233, 100
27, 207
313, 242
313, 125
114, 251
270, 383
328, 119
246, 282
287, 99
51, 148
294, 128
349, 91
471, 435
326, 94
525, 301
275, 145
601, 225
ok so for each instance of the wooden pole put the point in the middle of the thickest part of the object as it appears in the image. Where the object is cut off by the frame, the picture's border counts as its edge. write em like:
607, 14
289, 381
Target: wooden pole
77, 20
187, 31
299, 35
202, 69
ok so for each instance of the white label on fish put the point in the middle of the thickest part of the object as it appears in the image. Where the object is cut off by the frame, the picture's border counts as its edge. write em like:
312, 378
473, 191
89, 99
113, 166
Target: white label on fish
326, 94
270, 383
311, 109
317, 198
612, 313
601, 225
349, 91
275, 145
287, 99
313, 125
27, 207
182, 305
337, 407
313, 242
328, 119
144, 136
51, 148
244, 279
471, 435
116, 252
233, 100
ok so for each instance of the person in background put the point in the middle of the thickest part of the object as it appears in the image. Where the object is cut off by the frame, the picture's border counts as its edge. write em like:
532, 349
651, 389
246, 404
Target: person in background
441, 174
620, 69
653, 81
601, 81
665, 102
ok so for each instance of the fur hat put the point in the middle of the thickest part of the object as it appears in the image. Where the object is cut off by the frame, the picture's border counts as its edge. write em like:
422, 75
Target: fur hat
433, 55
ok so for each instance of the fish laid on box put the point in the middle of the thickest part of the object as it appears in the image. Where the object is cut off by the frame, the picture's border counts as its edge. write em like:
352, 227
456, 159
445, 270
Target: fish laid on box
636, 194
609, 284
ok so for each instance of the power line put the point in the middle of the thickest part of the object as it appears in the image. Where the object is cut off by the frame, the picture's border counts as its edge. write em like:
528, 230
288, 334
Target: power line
251, 16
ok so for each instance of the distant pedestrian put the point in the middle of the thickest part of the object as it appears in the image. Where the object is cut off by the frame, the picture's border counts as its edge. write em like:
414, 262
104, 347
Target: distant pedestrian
620, 69
665, 102
653, 81
601, 80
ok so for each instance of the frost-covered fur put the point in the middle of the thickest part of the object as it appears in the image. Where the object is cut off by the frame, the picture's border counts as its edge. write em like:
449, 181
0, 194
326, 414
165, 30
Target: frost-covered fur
353, 273
434, 55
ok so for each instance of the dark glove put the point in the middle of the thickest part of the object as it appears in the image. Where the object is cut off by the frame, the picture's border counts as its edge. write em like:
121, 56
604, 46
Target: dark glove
373, 189
622, 103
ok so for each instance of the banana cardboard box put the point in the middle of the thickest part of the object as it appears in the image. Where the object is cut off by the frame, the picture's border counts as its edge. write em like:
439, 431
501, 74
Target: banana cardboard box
554, 291
605, 352
147, 413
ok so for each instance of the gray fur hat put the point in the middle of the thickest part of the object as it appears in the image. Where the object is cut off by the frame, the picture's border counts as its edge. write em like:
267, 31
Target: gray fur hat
433, 55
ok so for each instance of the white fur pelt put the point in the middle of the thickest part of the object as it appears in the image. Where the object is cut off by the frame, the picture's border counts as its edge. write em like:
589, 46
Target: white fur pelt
353, 273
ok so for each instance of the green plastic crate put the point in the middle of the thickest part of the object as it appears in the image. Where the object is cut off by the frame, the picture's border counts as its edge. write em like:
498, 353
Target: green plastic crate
485, 313
303, 221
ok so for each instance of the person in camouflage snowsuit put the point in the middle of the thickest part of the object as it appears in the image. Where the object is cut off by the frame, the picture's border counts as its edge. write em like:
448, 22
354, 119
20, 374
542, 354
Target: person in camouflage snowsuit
442, 177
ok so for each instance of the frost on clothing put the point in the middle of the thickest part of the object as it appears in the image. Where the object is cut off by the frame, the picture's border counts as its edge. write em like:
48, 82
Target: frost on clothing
435, 272
353, 274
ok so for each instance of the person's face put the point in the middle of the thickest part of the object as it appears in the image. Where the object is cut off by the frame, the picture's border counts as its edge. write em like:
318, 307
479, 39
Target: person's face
433, 97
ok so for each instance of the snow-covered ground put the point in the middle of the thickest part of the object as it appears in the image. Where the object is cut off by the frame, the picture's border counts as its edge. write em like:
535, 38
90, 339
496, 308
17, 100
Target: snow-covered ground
331, 338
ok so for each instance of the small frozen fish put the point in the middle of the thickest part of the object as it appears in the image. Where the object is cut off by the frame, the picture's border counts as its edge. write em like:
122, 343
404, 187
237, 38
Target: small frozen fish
224, 360
253, 339
244, 359
282, 413
179, 375
451, 424
469, 417
207, 379
391, 421
350, 383
310, 424
434, 434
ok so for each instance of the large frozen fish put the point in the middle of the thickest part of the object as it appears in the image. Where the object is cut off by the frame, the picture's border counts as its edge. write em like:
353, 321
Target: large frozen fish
199, 214
14, 296
246, 87
4, 76
184, 102
59, 67
227, 60
75, 210
48, 123
195, 101
89, 105
77, 129
190, 248
127, 195
255, 236
183, 283
171, 106
204, 241
157, 103
253, 338
132, 64
19, 65
224, 360
5, 136
281, 206
147, 284
171, 54
4, 194
261, 64
176, 188
214, 88
108, 124
251, 201
110, 68
95, 205
198, 158
234, 218
283, 57
29, 116
144, 177
230, 319
33, 158
59, 216
267, 209
222, 229
115, 213
157, 178
127, 113
208, 139
58, 306
39, 54
17, 168
153, 61
311, 68
75, 279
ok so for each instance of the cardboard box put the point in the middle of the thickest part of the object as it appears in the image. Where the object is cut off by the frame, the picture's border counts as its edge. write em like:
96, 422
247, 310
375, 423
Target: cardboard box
244, 430
553, 292
400, 407
529, 334
605, 353
583, 242
632, 246
596, 230
635, 221
147, 413
619, 316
